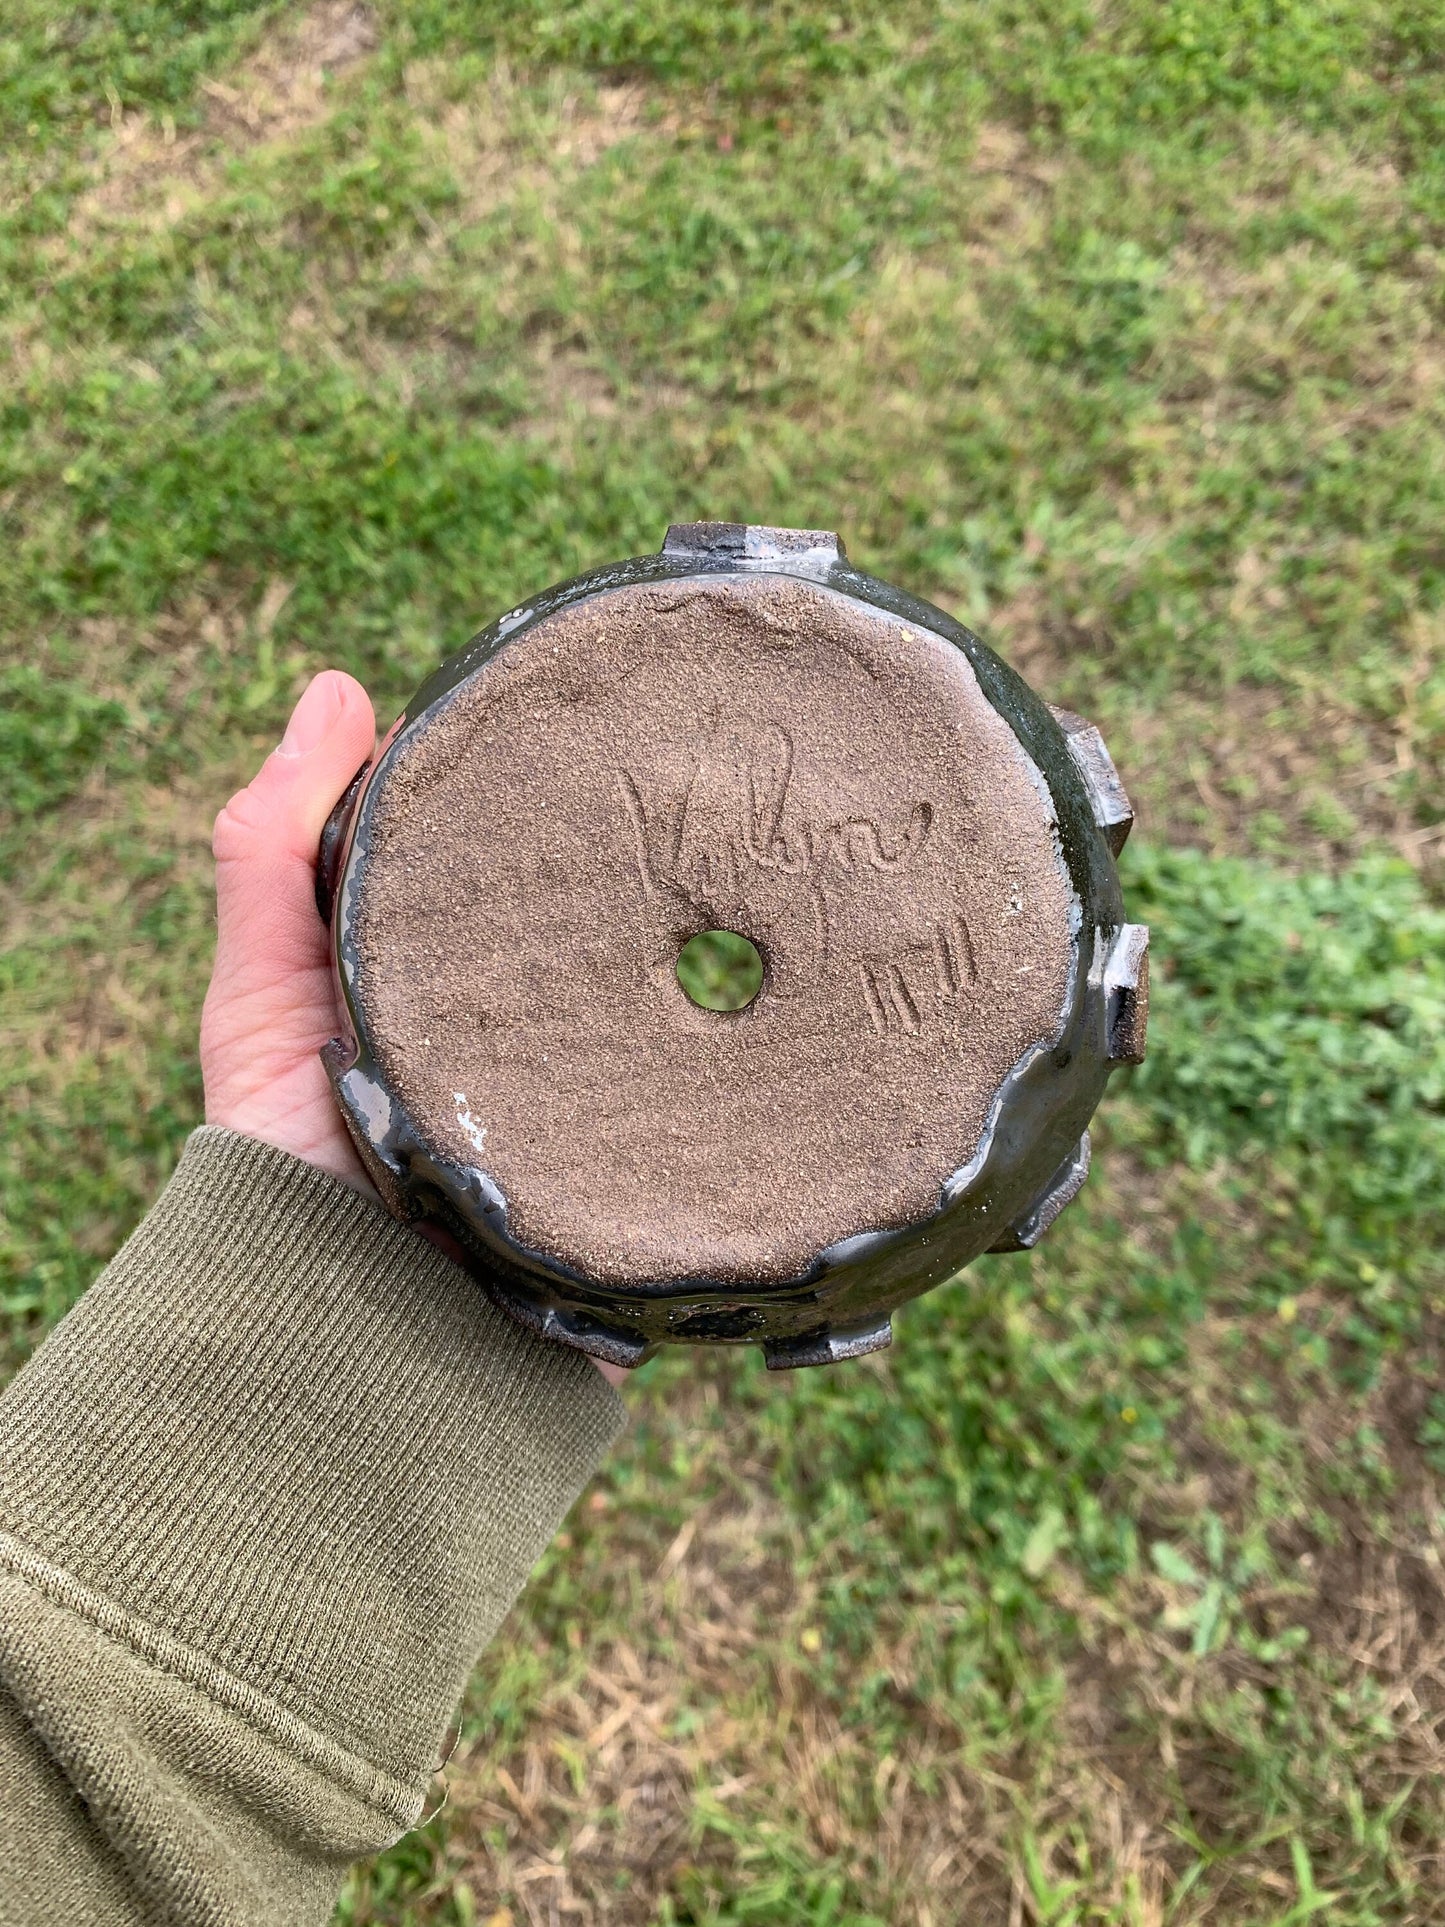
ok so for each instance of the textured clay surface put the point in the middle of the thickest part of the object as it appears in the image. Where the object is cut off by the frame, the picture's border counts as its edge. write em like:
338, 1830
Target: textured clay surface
757, 755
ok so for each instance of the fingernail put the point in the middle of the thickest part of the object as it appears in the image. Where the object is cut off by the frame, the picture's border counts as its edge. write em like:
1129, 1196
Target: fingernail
312, 718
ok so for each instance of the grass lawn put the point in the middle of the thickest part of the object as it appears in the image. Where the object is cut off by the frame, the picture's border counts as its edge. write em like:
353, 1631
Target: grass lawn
1113, 1593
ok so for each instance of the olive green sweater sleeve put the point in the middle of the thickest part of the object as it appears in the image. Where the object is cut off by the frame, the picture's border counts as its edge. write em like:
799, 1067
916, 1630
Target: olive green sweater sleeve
264, 1496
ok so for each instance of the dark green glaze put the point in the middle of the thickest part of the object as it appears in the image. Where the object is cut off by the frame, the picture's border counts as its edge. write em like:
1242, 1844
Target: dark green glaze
841, 1305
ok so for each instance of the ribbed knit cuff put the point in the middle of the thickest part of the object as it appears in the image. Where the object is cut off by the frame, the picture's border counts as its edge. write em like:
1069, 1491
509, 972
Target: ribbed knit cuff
286, 1437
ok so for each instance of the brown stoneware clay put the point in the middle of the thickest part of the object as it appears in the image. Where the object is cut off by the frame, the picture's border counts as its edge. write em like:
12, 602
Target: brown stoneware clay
743, 734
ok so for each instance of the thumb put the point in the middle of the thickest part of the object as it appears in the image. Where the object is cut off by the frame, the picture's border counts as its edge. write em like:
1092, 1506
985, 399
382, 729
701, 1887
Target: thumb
266, 837
282, 809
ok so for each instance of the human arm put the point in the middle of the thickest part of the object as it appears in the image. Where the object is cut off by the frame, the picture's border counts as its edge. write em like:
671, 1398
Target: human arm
272, 1485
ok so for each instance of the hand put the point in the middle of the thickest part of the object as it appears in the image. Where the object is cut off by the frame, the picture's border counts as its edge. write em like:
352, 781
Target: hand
272, 1001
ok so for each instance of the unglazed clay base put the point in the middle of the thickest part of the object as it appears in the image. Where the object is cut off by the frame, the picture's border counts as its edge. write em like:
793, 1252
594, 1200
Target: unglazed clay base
742, 733
765, 757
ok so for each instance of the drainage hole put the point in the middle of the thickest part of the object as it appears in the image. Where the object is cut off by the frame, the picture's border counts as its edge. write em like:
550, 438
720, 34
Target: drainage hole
720, 970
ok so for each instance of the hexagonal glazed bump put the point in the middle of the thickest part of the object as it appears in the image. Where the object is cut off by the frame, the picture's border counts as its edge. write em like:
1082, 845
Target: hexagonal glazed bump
752, 542
1063, 1187
740, 734
826, 1347
1113, 812
1126, 992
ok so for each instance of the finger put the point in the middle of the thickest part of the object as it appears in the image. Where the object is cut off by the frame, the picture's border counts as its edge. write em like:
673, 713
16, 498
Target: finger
266, 838
282, 809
